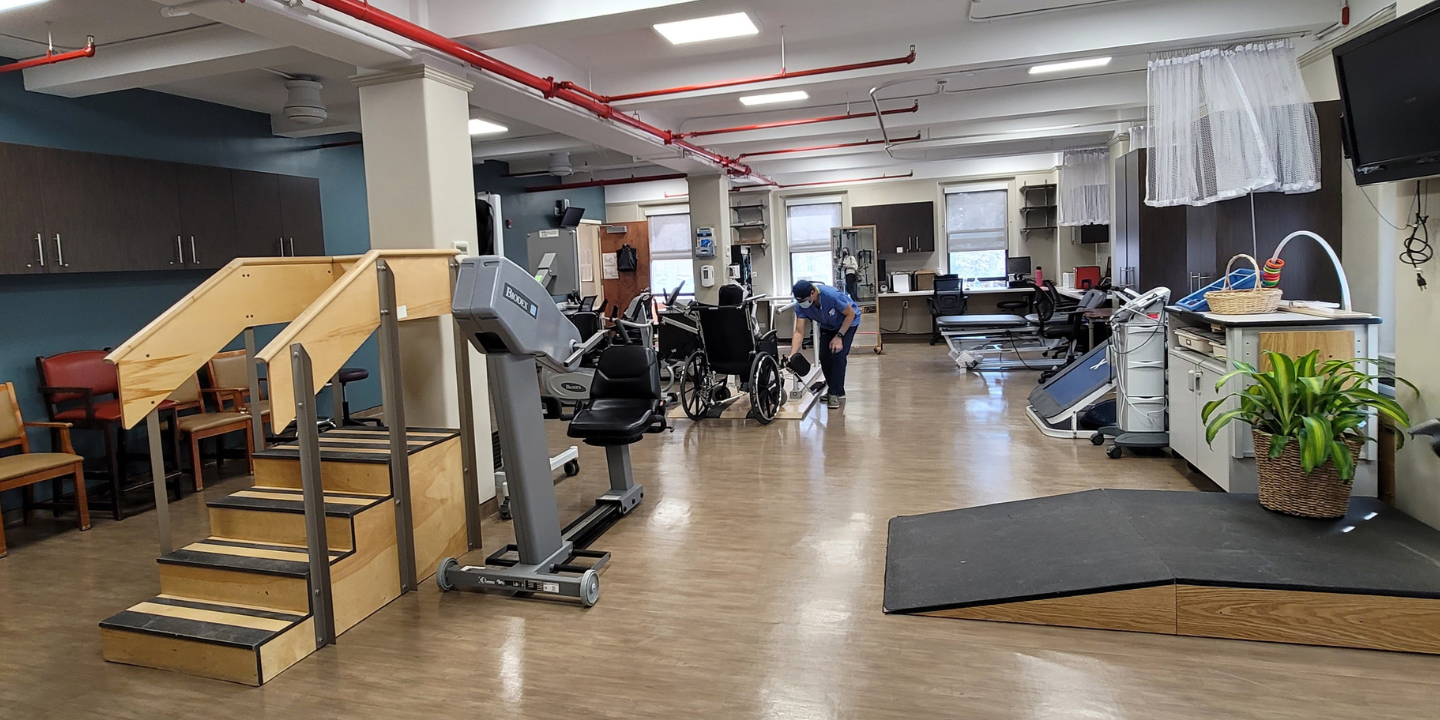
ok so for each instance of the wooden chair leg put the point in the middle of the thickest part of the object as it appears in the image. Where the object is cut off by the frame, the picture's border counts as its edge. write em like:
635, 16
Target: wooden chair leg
81, 505
249, 450
115, 480
195, 463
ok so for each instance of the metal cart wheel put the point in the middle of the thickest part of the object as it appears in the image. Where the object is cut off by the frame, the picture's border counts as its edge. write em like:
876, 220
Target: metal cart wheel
767, 390
696, 386
445, 565
589, 588
1113, 452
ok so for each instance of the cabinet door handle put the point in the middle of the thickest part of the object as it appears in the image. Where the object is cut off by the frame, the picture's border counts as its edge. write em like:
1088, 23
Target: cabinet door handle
292, 247
194, 257
39, 249
60, 252
179, 252
282, 247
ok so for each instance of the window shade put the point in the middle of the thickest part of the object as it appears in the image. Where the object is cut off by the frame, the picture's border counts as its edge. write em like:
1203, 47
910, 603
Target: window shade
976, 220
670, 237
807, 227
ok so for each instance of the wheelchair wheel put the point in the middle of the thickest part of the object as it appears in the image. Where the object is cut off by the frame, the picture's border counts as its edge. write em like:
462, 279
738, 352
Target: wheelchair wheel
696, 386
767, 389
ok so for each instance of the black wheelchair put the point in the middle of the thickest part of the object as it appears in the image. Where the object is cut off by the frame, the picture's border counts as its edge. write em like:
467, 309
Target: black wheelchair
730, 345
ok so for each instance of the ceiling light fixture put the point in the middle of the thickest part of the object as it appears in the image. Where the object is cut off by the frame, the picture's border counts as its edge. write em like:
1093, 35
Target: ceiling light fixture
12, 4
707, 28
1069, 65
485, 127
772, 98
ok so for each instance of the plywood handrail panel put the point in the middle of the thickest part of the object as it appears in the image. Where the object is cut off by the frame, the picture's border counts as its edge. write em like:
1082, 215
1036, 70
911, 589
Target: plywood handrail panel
245, 293
341, 319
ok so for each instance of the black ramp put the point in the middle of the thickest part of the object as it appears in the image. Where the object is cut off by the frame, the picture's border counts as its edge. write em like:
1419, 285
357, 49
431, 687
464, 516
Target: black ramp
1230, 540
1011, 552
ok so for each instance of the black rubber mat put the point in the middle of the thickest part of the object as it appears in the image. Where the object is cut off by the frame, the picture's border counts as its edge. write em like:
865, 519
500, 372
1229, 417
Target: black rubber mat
241, 502
334, 445
198, 630
1106, 540
232, 609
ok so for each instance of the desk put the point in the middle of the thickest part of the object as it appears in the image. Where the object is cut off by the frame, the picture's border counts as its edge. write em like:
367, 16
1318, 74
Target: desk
898, 319
1072, 293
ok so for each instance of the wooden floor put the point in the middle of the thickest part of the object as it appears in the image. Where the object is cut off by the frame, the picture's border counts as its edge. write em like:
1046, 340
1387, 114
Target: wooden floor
748, 585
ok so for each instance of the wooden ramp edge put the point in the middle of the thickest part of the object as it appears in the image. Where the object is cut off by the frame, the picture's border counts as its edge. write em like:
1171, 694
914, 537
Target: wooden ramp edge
245, 293
1332, 619
334, 326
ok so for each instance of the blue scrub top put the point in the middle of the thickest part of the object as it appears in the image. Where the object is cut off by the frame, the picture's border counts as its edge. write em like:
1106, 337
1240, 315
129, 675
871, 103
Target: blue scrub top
829, 311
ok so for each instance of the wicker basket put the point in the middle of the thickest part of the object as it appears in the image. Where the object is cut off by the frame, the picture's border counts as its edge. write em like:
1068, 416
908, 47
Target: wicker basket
1243, 302
1286, 488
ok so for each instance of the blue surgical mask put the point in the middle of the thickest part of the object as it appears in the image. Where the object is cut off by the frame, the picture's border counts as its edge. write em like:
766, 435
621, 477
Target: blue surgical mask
806, 304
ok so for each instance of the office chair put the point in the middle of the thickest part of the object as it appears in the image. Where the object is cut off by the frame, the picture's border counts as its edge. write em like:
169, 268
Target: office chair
944, 303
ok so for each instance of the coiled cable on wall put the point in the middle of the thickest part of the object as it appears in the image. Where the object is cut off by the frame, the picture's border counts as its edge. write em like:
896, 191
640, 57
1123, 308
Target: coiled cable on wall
1417, 250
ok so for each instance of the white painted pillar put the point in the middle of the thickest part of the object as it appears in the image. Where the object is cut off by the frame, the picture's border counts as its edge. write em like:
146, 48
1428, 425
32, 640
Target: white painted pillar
710, 207
421, 192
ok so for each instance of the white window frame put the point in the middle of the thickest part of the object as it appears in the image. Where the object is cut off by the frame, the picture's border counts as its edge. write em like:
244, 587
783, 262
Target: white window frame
671, 255
814, 248
947, 191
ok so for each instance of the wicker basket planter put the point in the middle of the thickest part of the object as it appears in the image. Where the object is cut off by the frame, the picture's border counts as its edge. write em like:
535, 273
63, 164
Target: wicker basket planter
1286, 488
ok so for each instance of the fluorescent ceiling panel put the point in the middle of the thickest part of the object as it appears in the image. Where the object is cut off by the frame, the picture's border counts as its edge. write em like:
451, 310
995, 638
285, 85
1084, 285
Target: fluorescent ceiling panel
707, 28
485, 127
772, 98
1069, 65
12, 4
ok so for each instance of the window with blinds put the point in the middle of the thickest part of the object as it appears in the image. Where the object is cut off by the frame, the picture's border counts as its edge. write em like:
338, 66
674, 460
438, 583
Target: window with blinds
808, 223
977, 233
670, 253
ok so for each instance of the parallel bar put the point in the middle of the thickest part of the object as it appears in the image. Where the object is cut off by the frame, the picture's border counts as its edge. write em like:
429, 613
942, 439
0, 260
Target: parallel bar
393, 397
252, 376
317, 542
157, 479
467, 424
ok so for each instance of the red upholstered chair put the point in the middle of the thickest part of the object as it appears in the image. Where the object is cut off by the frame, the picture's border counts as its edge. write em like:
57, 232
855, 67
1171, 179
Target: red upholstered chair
81, 389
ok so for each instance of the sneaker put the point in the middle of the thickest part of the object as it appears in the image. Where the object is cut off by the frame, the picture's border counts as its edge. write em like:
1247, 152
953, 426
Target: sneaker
833, 402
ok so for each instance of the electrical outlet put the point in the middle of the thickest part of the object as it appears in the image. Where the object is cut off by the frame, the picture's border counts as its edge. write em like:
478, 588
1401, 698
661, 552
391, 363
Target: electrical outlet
904, 304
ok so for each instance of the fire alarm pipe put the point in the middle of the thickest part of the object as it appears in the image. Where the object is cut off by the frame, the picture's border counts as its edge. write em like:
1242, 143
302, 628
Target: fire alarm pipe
51, 57
548, 87
605, 183
782, 75
801, 121
836, 146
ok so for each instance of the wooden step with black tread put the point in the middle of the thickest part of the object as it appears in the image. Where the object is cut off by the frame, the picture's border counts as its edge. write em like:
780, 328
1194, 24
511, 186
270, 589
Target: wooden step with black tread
227, 642
361, 445
290, 500
244, 556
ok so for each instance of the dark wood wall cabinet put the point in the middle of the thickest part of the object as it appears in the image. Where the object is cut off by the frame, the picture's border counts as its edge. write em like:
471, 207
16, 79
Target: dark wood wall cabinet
1186, 248
900, 227
69, 211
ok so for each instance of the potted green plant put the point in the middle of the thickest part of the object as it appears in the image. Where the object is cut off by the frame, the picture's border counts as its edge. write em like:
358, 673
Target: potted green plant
1309, 420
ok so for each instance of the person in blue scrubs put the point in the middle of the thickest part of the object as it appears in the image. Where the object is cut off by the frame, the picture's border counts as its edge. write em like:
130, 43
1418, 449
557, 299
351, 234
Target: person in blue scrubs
839, 318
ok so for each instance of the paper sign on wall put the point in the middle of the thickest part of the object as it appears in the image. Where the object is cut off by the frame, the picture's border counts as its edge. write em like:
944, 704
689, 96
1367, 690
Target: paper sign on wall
611, 265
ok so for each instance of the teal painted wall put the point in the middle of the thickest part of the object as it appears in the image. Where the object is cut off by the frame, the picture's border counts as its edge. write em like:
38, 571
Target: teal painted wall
529, 212
49, 314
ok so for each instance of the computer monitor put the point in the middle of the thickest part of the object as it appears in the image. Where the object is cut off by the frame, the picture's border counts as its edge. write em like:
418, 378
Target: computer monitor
1017, 266
572, 217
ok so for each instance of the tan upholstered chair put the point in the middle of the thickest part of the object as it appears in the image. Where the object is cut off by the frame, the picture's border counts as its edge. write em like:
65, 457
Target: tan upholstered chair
202, 423
28, 468
227, 371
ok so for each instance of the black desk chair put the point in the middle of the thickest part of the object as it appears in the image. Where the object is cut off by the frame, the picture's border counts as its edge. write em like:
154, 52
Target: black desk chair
942, 303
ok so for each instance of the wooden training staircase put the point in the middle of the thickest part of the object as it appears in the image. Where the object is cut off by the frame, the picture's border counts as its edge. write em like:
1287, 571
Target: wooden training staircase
237, 605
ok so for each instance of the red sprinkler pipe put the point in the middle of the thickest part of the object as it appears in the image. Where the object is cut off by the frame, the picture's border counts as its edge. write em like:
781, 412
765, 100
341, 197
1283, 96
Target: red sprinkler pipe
548, 87
850, 180
50, 57
605, 183
782, 75
801, 121
836, 146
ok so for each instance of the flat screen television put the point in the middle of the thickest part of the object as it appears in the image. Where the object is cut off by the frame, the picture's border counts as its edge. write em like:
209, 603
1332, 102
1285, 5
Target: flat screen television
572, 217
1390, 88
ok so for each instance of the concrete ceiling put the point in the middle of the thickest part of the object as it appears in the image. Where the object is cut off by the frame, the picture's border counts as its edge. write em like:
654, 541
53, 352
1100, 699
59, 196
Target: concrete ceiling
976, 98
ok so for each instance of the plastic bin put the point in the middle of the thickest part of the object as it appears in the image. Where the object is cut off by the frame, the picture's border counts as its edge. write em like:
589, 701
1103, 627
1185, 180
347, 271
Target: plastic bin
1242, 279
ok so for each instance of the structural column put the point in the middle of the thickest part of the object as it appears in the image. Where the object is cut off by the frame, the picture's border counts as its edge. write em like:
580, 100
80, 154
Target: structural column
420, 188
710, 208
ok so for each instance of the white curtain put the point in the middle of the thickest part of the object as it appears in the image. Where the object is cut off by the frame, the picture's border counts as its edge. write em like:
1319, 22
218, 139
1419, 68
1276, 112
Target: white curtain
1085, 187
1224, 122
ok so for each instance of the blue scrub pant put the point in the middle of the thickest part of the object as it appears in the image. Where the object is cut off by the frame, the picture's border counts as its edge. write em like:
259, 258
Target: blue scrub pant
832, 364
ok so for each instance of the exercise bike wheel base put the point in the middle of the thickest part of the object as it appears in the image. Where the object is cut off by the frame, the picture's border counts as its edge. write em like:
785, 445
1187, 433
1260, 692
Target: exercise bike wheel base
445, 566
589, 588
572, 468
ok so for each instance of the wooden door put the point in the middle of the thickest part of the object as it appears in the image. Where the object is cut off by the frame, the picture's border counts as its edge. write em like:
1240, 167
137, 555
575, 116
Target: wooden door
147, 213
78, 201
259, 231
22, 222
621, 290
207, 215
300, 216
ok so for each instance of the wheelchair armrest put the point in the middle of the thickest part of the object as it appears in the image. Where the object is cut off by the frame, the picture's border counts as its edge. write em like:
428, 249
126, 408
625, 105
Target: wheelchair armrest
768, 336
